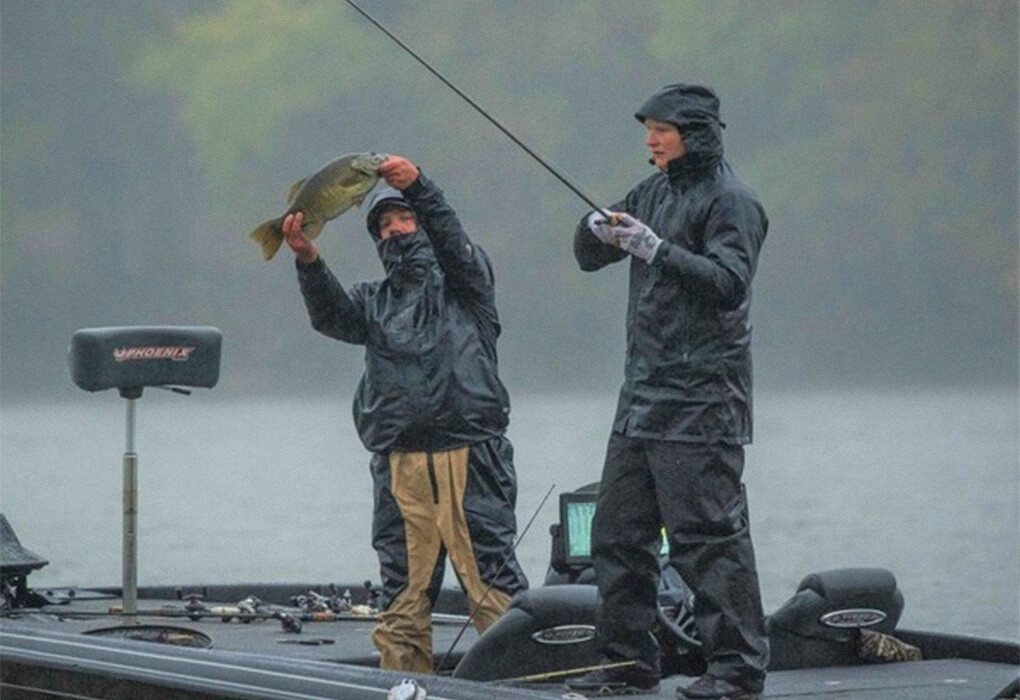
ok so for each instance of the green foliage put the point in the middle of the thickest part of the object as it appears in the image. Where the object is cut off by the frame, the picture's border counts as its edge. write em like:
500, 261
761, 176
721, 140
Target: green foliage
241, 71
143, 140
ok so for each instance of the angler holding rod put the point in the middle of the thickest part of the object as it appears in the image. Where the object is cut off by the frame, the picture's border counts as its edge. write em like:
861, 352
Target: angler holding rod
691, 234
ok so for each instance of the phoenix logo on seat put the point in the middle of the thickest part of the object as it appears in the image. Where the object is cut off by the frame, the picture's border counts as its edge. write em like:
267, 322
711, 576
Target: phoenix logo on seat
171, 352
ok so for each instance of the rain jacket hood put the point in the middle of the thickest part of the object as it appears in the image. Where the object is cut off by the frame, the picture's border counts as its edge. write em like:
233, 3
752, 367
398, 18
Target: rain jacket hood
694, 110
386, 197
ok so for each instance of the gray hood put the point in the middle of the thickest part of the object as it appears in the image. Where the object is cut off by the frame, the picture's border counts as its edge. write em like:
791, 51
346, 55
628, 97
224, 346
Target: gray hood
376, 204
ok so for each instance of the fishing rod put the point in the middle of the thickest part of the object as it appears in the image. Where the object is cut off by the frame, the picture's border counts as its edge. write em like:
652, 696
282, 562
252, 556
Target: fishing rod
226, 615
563, 673
194, 615
541, 161
287, 617
488, 588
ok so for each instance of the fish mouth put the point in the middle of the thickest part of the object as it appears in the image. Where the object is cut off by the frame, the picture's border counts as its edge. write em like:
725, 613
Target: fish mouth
370, 164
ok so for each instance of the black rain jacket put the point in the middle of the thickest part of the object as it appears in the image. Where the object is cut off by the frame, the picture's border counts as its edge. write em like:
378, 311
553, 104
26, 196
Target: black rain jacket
429, 330
688, 373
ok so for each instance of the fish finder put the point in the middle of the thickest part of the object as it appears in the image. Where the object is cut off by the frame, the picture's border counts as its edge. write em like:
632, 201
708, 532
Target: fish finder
571, 558
576, 512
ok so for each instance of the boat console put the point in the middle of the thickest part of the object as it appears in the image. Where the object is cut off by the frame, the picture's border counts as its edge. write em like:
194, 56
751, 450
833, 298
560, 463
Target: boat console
552, 628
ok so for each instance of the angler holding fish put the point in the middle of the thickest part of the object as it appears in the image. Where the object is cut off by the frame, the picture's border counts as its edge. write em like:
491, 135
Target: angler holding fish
430, 408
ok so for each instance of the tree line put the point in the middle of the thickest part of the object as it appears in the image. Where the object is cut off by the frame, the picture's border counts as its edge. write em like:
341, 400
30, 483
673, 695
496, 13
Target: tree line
143, 140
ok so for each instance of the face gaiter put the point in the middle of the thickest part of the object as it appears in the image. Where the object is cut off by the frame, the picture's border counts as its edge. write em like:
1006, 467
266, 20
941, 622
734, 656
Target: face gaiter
406, 258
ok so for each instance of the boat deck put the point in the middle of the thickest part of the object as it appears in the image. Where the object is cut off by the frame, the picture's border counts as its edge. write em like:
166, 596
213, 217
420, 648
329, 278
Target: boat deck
260, 659
347, 640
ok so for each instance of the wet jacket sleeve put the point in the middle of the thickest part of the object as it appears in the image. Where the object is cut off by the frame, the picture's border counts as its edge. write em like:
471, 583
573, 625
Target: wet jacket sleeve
332, 311
465, 265
734, 229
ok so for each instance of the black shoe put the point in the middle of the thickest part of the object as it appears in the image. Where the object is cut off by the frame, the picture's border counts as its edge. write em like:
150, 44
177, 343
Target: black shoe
618, 680
712, 688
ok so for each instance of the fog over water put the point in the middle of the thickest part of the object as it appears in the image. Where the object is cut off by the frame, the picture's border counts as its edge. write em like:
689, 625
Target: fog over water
140, 142
143, 140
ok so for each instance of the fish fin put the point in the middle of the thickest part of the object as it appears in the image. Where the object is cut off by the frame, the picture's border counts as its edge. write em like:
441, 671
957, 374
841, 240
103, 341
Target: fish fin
269, 236
313, 229
292, 192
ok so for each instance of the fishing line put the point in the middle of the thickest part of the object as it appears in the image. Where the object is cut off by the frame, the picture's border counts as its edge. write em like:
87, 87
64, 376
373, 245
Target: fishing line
488, 588
481, 111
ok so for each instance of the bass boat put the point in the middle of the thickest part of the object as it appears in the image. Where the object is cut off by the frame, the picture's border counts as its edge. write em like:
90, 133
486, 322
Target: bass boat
836, 637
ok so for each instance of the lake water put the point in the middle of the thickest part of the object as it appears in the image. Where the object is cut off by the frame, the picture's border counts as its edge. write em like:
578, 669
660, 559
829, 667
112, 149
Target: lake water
926, 484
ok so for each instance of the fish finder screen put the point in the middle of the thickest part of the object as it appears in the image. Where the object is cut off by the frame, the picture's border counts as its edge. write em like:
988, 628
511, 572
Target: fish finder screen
576, 512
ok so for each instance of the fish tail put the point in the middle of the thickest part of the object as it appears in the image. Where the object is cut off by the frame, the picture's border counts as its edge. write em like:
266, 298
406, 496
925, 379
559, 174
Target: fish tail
269, 235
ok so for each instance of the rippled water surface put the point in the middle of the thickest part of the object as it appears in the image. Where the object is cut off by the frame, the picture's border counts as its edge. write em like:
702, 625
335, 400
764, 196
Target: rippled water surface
924, 484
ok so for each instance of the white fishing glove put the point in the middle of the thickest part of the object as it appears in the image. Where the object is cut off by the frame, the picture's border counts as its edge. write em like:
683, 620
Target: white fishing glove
636, 238
599, 226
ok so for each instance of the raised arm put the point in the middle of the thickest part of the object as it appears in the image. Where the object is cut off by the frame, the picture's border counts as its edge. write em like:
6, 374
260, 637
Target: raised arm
467, 269
331, 310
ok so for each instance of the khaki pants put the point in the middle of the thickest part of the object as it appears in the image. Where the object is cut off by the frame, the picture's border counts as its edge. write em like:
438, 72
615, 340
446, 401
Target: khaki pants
429, 490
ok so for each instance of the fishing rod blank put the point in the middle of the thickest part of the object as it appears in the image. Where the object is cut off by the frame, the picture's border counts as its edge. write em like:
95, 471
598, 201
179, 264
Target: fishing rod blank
481, 111
223, 615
